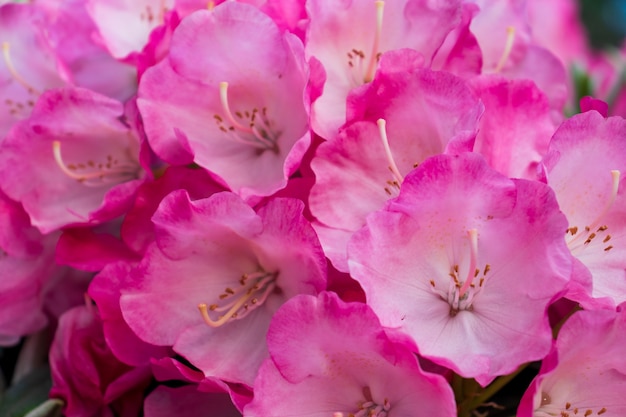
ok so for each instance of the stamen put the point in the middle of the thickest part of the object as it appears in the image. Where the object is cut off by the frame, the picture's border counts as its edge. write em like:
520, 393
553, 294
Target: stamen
473, 235
371, 66
508, 47
112, 174
259, 140
382, 129
6, 53
253, 291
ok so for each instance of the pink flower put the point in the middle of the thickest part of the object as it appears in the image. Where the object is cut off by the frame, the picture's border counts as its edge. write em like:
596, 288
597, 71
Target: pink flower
83, 164
585, 166
585, 373
329, 358
250, 127
234, 264
86, 375
466, 261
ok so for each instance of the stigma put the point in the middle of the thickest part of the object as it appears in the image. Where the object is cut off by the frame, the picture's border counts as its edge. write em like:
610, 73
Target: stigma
508, 47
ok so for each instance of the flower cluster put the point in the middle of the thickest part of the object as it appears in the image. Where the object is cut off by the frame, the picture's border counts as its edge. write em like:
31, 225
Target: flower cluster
356, 208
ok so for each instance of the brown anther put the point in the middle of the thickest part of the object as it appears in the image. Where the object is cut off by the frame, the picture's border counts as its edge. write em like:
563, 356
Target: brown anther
222, 296
218, 118
456, 269
213, 307
432, 282
487, 269
588, 413
602, 411
481, 282
476, 272
608, 248
573, 230
602, 228
387, 191
606, 239
229, 291
238, 114
567, 406
564, 414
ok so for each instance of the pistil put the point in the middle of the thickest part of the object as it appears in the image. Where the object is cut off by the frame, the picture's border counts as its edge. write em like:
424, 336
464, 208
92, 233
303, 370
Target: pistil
508, 47
382, 130
472, 271
371, 66
6, 54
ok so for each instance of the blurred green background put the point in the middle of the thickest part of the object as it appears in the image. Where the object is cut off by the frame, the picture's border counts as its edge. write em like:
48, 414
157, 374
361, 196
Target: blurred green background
605, 21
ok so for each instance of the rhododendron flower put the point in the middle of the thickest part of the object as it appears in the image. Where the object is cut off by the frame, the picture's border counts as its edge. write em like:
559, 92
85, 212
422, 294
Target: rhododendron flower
83, 164
235, 265
329, 358
585, 373
348, 38
585, 167
466, 261
86, 375
249, 127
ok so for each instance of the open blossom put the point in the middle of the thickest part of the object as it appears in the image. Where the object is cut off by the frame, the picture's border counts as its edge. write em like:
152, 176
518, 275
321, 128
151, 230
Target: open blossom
250, 127
585, 373
236, 266
329, 358
585, 167
466, 261
83, 164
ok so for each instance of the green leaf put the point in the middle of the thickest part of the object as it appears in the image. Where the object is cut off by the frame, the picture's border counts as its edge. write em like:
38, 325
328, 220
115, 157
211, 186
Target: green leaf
31, 391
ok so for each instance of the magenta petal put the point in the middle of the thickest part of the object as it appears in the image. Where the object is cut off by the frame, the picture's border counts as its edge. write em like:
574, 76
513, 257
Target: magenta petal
328, 356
